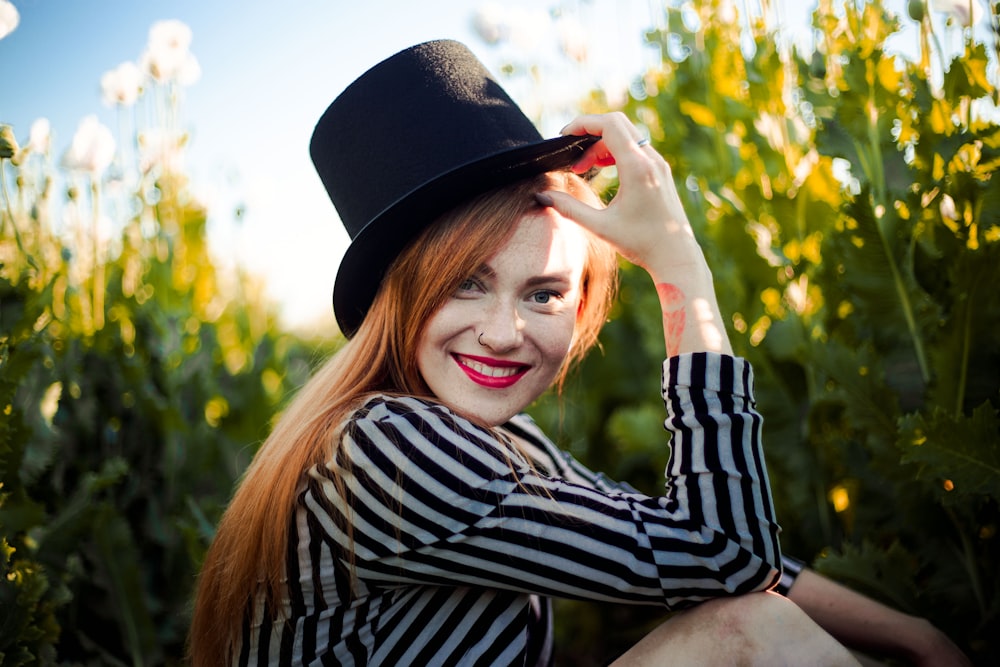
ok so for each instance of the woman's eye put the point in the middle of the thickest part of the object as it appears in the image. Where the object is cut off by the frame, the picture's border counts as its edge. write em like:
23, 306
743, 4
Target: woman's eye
468, 285
545, 297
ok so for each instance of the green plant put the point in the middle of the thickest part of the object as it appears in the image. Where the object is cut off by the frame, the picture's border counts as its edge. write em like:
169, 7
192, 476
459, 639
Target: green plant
135, 382
847, 202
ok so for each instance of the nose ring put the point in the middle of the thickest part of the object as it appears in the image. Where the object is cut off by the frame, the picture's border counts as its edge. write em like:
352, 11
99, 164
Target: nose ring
480, 339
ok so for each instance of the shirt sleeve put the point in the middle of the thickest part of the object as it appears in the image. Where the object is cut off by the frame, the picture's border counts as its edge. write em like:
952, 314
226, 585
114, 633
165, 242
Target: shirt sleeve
435, 499
790, 569
550, 456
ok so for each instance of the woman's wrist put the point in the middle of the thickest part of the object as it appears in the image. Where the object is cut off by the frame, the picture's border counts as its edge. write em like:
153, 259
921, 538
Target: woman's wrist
676, 257
692, 321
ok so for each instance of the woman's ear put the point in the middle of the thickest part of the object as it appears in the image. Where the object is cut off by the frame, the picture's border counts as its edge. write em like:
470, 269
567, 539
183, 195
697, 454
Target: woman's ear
581, 306
581, 309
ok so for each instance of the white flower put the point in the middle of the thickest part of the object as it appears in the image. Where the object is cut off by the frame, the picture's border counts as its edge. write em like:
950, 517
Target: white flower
572, 38
93, 148
40, 136
797, 294
189, 72
525, 28
948, 209
163, 149
528, 27
50, 402
959, 10
122, 85
727, 13
9, 18
489, 24
770, 126
805, 166
167, 57
171, 67
171, 36
764, 239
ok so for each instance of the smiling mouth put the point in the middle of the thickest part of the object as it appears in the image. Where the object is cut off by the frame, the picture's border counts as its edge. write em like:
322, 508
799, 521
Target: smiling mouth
494, 374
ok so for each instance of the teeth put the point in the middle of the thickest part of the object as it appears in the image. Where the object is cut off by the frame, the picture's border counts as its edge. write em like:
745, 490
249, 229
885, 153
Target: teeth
491, 371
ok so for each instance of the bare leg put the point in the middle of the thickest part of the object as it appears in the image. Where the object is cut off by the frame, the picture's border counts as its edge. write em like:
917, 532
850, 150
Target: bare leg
755, 629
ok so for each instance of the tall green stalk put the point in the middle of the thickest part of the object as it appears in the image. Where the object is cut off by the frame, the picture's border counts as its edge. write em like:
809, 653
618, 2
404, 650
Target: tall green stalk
876, 175
10, 215
97, 302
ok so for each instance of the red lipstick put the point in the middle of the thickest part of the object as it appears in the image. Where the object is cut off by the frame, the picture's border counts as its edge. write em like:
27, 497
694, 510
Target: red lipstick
491, 373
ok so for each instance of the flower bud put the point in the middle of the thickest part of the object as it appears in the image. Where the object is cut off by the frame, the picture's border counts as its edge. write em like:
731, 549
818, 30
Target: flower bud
917, 9
9, 18
8, 143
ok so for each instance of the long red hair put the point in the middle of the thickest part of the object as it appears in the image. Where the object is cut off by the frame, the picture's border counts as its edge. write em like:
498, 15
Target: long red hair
247, 557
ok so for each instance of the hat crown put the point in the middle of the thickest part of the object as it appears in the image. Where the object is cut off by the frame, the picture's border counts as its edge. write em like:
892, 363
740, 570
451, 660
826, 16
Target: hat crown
419, 114
411, 138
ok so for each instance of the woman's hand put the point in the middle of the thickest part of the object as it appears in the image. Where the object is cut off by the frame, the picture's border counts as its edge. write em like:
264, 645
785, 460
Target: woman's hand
647, 224
645, 221
932, 648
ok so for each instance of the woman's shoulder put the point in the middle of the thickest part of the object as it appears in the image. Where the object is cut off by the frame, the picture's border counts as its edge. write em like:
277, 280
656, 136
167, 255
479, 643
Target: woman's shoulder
415, 418
390, 407
423, 432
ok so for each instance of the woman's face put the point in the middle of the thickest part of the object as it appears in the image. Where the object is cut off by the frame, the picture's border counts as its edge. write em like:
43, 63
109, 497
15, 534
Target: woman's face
498, 342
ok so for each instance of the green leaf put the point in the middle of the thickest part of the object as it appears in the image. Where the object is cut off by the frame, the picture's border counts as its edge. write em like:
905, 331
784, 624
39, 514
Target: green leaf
886, 574
959, 455
870, 265
121, 563
967, 76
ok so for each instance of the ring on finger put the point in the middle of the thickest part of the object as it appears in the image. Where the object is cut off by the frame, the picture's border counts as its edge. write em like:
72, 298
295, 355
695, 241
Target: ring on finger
642, 142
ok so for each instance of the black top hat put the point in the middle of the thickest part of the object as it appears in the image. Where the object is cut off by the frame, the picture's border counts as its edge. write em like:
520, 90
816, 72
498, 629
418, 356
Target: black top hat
411, 138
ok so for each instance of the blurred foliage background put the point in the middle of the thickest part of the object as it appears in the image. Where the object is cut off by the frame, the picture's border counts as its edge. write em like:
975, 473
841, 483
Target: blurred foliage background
846, 203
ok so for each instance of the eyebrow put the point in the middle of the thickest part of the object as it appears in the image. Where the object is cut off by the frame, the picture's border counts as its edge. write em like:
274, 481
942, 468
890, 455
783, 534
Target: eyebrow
562, 277
559, 278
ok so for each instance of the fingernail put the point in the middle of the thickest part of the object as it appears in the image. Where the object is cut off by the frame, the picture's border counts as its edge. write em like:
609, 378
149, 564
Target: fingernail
543, 199
564, 128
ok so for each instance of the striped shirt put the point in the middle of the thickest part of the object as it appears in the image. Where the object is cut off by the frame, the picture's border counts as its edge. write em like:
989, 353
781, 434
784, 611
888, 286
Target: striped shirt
459, 537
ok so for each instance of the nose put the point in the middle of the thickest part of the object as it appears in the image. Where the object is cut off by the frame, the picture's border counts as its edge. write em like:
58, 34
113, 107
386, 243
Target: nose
502, 327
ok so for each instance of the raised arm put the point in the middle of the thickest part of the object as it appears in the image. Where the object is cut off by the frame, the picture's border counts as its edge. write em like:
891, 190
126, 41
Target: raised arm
647, 224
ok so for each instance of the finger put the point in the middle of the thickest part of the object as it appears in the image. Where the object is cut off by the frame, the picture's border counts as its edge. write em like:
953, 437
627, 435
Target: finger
620, 139
617, 131
596, 155
599, 124
572, 208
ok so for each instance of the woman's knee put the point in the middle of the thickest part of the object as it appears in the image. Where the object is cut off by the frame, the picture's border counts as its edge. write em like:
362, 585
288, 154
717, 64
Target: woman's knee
753, 629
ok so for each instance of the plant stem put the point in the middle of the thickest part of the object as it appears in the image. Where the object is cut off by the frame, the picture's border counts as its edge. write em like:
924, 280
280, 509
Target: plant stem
10, 214
97, 304
876, 174
963, 369
995, 29
969, 562
933, 34
874, 138
904, 299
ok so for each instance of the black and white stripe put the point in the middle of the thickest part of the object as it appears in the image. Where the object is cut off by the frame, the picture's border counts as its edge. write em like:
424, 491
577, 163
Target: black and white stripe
459, 540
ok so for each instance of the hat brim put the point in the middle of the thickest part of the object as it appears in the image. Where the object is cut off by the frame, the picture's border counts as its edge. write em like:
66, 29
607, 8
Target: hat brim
367, 259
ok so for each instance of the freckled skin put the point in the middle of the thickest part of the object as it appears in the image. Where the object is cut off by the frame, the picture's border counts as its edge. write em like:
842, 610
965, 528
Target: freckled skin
674, 315
514, 322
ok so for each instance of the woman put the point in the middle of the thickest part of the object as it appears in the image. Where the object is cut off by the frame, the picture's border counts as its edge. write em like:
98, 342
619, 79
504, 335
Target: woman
404, 511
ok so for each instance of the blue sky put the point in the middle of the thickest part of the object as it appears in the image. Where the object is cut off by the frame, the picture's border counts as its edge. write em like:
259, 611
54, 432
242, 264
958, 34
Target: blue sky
268, 71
